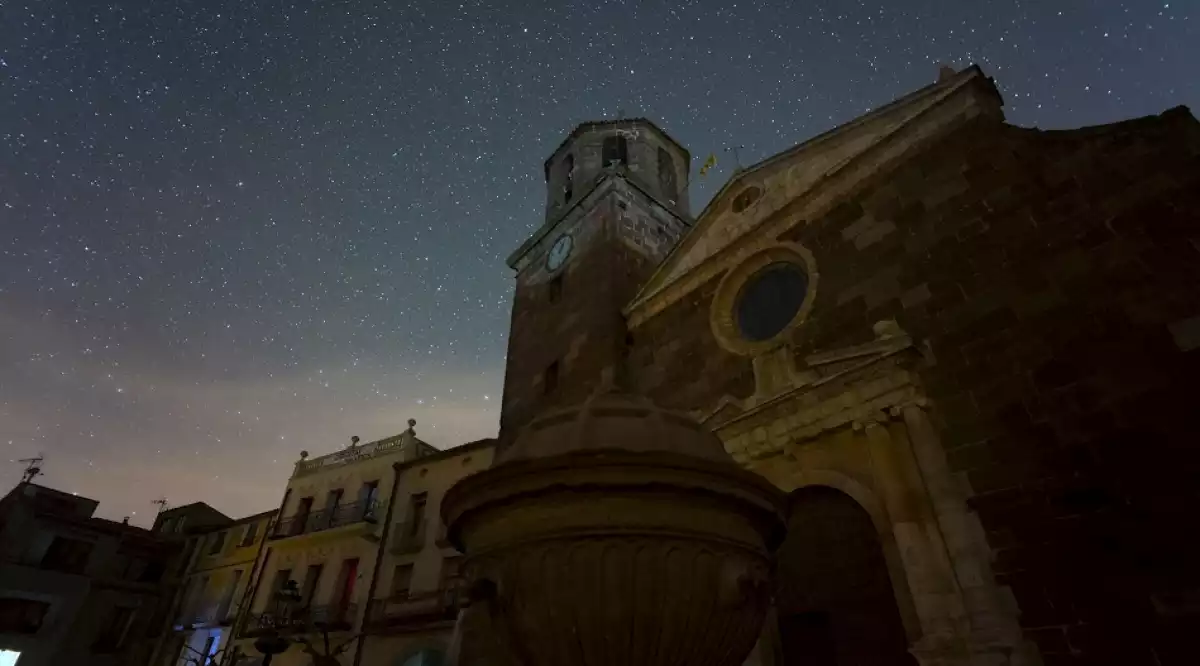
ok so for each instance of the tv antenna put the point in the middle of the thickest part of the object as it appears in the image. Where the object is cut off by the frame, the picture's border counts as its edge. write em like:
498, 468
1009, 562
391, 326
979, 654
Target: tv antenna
33, 467
162, 505
737, 161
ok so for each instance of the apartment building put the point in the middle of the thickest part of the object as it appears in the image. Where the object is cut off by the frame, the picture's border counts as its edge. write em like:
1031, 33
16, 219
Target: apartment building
77, 589
356, 564
220, 566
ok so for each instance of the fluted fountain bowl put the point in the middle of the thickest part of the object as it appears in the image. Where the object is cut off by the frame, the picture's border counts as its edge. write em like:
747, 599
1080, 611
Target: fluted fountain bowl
618, 534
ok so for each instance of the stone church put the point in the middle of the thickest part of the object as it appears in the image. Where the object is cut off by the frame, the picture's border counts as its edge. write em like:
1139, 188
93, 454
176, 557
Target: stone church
962, 347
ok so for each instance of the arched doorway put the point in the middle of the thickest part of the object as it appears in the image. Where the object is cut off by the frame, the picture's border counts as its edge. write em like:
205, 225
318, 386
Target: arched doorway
835, 601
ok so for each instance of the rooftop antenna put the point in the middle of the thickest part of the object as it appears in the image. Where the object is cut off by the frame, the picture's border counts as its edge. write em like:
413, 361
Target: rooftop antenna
737, 161
162, 505
620, 114
33, 467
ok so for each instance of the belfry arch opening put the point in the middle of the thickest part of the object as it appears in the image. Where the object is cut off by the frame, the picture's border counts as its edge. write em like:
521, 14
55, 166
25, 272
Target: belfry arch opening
835, 601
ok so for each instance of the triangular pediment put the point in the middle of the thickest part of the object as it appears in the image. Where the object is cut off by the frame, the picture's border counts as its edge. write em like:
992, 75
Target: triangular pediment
803, 169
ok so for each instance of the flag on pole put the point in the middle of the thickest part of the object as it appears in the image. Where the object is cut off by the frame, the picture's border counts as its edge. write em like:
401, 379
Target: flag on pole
708, 163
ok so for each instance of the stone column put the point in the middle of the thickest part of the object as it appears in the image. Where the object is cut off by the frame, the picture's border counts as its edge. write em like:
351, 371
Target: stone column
994, 632
930, 576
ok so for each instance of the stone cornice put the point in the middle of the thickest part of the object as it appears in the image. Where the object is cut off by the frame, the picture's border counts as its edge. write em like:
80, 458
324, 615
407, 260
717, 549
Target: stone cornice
852, 387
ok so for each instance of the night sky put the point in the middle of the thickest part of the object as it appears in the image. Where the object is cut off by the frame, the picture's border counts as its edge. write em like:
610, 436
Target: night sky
233, 230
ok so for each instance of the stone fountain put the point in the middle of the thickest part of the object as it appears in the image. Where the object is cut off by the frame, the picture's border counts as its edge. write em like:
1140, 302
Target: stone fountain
613, 533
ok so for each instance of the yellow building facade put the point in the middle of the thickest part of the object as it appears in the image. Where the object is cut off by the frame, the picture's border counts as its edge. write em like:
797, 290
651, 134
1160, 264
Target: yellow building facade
217, 578
355, 565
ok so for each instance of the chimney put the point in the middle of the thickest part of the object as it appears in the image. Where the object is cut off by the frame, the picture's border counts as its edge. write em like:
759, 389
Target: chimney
945, 73
125, 520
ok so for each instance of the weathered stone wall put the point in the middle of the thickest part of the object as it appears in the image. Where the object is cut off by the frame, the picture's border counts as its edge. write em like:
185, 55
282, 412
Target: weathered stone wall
1056, 278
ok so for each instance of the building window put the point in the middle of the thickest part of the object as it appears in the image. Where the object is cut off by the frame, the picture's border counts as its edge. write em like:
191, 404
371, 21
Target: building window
616, 151
67, 555
114, 631
666, 175
153, 572
311, 579
282, 578
217, 543
300, 520
746, 198
770, 300
368, 497
556, 287
568, 178
22, 616
401, 580
250, 535
550, 379
416, 513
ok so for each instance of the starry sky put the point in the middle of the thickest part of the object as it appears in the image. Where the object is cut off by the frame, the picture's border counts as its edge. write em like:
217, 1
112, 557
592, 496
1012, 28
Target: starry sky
231, 230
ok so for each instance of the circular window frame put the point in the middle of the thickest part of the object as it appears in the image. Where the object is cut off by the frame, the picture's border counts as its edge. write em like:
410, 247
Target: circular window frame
723, 312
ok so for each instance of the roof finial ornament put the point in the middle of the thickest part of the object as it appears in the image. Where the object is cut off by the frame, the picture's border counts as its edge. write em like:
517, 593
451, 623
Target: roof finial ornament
412, 423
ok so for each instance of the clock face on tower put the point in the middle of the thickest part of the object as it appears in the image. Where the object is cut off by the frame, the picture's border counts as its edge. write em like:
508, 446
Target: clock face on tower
559, 252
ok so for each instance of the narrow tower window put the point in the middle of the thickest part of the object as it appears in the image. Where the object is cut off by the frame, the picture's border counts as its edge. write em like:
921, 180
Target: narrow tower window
616, 151
550, 379
568, 178
556, 287
666, 175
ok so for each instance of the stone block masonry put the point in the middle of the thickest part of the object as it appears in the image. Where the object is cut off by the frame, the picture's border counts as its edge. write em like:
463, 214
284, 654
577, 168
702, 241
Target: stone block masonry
1056, 279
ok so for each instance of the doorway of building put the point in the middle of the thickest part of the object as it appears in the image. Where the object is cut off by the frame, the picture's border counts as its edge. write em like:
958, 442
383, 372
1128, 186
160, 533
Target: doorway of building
835, 600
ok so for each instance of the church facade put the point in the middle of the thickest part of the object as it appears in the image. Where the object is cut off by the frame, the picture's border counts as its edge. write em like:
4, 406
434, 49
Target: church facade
966, 349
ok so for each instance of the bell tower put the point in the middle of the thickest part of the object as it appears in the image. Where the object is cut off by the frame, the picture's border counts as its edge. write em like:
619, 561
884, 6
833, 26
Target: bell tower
615, 206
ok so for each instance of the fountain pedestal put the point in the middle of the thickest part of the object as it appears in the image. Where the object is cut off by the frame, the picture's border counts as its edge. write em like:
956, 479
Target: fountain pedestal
616, 533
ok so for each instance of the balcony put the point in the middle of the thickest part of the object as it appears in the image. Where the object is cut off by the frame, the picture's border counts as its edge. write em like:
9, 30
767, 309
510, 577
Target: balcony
409, 538
414, 610
334, 617
327, 519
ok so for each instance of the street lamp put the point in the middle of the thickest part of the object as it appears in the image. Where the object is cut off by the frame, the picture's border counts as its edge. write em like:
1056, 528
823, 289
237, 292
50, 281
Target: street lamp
271, 642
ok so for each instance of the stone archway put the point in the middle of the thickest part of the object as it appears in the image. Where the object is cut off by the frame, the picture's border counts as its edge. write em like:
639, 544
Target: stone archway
835, 599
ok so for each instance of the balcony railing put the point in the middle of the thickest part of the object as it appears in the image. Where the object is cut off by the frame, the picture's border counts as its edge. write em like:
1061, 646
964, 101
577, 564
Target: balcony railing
334, 617
316, 521
409, 538
405, 445
414, 608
